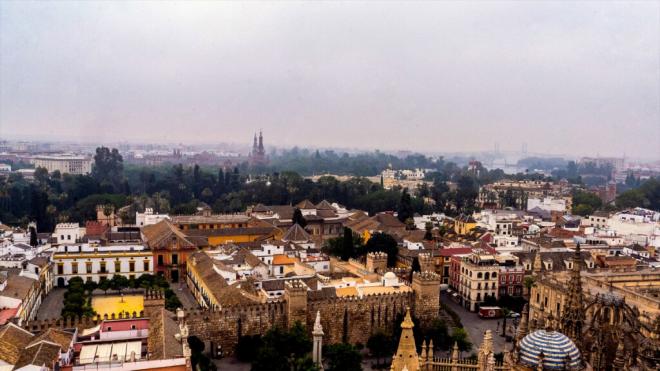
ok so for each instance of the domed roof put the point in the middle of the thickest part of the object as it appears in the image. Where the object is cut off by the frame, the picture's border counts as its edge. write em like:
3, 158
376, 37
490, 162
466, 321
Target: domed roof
390, 276
557, 350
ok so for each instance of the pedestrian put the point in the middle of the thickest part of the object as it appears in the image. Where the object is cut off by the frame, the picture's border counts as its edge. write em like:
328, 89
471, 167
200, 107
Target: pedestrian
498, 326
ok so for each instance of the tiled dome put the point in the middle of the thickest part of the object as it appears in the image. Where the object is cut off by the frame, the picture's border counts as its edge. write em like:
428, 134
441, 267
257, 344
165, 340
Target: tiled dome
556, 347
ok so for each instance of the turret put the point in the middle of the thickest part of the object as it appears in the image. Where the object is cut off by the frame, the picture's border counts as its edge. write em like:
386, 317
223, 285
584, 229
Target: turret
426, 286
295, 294
377, 262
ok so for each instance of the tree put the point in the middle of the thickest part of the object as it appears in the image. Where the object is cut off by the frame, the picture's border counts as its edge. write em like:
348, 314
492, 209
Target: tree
405, 209
439, 333
298, 218
33, 237
460, 337
385, 243
380, 345
428, 226
108, 168
248, 347
118, 282
198, 359
105, 285
343, 357
348, 248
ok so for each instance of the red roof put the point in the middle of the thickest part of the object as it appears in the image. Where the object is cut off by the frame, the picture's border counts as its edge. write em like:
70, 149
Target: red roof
7, 314
455, 251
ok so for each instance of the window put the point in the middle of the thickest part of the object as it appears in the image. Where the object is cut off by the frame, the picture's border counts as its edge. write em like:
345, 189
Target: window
479, 275
145, 265
61, 237
88, 266
74, 268
160, 260
487, 275
117, 266
60, 268
494, 274
175, 259
131, 266
281, 270
103, 270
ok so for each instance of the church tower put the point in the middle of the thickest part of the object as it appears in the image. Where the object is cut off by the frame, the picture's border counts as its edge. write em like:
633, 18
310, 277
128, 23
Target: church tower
572, 319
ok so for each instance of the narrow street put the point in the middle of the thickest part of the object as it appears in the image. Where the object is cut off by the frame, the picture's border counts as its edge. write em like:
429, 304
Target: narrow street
183, 293
52, 304
476, 326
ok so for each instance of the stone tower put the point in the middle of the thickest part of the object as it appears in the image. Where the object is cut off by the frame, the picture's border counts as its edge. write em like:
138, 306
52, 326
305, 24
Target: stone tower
377, 262
154, 301
426, 286
573, 318
426, 262
317, 333
295, 294
406, 357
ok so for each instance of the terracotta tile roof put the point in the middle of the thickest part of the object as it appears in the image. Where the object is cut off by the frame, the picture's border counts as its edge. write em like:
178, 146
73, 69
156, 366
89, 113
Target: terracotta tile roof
59, 337
306, 204
161, 342
296, 233
13, 341
43, 353
284, 211
324, 205
18, 286
283, 260
159, 235
39, 261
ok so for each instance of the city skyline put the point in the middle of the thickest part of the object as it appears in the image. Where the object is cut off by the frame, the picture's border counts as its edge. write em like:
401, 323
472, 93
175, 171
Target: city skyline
565, 78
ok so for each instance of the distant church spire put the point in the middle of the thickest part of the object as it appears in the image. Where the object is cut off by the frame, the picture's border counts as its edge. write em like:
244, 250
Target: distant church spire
572, 319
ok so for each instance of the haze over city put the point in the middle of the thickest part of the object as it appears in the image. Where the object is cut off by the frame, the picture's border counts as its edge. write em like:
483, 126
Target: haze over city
572, 78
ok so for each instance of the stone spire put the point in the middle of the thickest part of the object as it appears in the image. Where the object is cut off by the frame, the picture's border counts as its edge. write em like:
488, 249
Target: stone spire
261, 143
523, 327
537, 266
406, 354
317, 333
572, 319
485, 351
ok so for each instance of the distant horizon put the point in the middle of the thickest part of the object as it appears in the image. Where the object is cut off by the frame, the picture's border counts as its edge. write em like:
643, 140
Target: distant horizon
356, 150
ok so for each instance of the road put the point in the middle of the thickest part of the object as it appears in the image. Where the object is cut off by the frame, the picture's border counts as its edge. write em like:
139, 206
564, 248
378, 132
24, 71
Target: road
52, 304
183, 293
476, 326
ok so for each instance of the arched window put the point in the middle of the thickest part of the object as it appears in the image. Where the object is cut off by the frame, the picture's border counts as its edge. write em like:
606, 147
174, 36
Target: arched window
479, 275
494, 274
486, 275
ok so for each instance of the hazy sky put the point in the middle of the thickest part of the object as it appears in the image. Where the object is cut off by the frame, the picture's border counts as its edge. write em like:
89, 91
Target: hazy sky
580, 78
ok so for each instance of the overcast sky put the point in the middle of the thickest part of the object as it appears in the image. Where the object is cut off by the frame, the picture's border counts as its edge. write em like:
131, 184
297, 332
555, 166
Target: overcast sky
576, 78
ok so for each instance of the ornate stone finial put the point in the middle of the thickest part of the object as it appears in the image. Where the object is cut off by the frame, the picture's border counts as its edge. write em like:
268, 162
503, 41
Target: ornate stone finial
407, 321
430, 354
455, 352
487, 344
318, 329
424, 354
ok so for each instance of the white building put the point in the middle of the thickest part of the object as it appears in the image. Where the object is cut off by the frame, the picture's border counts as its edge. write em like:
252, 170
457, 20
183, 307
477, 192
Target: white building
148, 217
65, 164
94, 262
547, 203
68, 233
